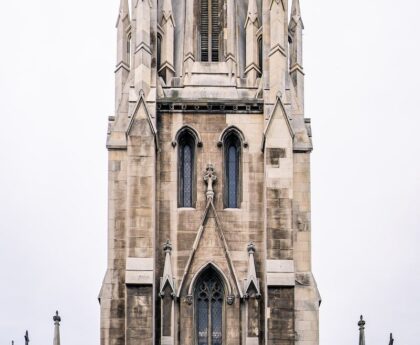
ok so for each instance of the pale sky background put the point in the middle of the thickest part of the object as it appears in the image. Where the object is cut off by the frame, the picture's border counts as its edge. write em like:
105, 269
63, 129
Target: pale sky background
362, 92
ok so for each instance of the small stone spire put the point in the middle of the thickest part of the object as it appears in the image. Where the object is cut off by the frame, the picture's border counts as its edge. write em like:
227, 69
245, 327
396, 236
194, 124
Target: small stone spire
168, 278
296, 52
252, 68
391, 340
361, 325
252, 282
124, 49
27, 338
210, 177
57, 320
124, 9
296, 13
167, 69
252, 14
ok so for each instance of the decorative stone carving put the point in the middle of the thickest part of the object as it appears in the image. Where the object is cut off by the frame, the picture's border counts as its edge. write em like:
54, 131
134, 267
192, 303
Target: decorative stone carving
189, 299
167, 280
230, 299
251, 283
57, 320
361, 325
210, 177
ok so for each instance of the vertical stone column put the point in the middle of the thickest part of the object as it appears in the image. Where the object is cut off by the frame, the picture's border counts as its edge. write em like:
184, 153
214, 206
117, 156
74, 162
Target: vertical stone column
166, 70
278, 48
141, 215
280, 274
231, 37
252, 69
189, 38
296, 56
143, 51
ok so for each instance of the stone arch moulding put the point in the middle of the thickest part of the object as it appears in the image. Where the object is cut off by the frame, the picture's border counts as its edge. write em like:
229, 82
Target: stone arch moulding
192, 131
229, 130
230, 297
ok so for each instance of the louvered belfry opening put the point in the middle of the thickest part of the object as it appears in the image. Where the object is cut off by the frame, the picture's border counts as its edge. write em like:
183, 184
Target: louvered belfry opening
210, 28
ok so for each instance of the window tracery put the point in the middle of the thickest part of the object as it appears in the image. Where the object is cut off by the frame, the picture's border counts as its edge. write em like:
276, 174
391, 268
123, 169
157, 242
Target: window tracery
209, 296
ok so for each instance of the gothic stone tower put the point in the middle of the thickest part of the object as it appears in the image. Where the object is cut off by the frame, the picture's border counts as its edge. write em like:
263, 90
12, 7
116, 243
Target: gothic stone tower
209, 177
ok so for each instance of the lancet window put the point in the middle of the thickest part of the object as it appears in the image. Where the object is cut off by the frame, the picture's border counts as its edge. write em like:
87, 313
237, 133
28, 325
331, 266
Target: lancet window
232, 147
186, 156
209, 297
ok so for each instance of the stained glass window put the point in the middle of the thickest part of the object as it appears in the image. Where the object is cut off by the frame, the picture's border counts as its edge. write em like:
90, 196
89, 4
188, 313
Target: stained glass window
209, 296
187, 175
186, 171
232, 175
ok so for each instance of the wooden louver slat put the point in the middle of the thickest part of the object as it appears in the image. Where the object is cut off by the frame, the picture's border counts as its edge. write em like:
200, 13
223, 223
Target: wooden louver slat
215, 30
209, 30
204, 30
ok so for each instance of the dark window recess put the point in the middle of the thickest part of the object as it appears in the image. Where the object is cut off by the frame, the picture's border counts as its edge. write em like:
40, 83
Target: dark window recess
209, 296
260, 54
210, 29
186, 171
232, 173
159, 52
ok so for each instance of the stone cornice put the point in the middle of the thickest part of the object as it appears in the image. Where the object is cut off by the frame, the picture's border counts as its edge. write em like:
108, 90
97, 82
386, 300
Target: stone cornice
187, 106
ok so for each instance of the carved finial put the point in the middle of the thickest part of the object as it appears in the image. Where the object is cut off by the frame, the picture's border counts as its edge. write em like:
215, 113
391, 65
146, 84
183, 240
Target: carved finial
167, 280
251, 248
57, 320
167, 247
26, 338
210, 177
361, 325
251, 283
57, 317
391, 340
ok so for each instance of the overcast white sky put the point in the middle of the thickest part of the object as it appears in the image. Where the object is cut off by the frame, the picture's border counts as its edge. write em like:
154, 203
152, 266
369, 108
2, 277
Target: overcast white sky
362, 90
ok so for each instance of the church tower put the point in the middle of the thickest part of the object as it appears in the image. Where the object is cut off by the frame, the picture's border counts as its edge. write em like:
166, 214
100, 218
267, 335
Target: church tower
209, 236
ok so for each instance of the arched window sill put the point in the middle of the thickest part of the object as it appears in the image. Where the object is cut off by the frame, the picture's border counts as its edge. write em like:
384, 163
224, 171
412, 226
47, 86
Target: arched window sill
232, 209
186, 208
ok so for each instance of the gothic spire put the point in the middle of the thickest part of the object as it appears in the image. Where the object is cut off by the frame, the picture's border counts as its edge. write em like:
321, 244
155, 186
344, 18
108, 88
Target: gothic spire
252, 14
168, 278
27, 338
167, 11
123, 11
296, 13
57, 320
166, 69
296, 53
361, 325
252, 282
252, 68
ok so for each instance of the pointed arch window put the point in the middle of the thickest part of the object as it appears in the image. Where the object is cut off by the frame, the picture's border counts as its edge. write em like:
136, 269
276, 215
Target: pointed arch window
210, 30
186, 173
232, 146
209, 297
